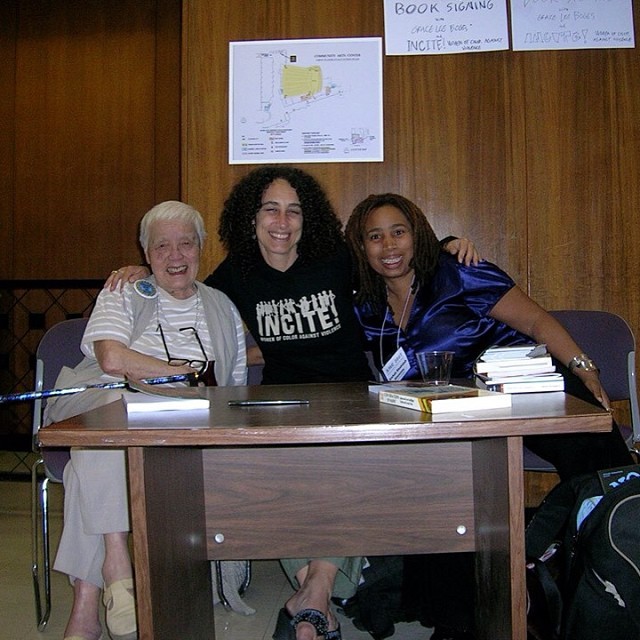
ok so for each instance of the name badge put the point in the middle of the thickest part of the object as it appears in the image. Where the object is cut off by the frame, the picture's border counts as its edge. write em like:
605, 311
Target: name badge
397, 366
145, 289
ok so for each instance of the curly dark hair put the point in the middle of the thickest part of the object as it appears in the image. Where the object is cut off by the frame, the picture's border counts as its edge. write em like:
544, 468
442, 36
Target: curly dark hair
321, 229
370, 286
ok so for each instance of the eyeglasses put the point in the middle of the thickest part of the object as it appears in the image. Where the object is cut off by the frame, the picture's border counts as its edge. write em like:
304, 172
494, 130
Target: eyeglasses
200, 365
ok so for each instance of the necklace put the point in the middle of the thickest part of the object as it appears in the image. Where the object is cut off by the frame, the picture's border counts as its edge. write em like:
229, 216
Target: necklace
410, 291
160, 312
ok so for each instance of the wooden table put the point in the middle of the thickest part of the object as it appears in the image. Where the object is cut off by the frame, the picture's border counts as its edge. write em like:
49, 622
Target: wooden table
343, 475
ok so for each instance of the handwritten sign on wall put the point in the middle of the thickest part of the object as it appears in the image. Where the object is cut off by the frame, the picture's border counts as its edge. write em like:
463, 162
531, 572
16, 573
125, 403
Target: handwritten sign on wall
571, 24
445, 26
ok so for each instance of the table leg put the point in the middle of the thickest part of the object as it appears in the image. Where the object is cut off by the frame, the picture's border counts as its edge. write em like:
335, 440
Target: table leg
173, 580
500, 555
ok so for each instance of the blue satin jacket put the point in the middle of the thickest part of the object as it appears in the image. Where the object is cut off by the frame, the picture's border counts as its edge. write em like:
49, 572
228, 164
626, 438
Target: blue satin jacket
449, 313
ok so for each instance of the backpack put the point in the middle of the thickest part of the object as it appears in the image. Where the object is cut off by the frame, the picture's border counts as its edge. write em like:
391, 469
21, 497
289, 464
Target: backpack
583, 549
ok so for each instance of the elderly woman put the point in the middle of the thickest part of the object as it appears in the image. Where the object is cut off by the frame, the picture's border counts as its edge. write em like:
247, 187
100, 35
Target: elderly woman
167, 324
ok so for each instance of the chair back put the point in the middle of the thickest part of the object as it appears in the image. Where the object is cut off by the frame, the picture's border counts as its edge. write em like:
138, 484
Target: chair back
59, 347
254, 372
609, 341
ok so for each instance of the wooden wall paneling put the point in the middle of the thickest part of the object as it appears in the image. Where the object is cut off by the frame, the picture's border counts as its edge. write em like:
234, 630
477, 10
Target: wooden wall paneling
569, 156
205, 178
168, 99
207, 31
533, 155
622, 237
583, 149
447, 124
83, 135
87, 113
516, 262
8, 27
447, 127
448, 121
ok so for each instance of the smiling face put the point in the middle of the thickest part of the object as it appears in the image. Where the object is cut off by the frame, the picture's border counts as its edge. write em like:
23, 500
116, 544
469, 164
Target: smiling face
279, 225
388, 243
174, 256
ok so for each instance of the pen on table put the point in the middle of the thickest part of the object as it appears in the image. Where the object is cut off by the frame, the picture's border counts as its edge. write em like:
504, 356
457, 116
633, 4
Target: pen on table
263, 403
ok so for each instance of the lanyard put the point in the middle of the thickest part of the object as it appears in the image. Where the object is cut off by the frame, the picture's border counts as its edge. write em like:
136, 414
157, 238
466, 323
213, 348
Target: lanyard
384, 321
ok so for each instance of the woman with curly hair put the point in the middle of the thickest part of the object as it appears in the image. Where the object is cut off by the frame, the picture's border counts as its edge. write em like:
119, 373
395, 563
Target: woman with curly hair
288, 270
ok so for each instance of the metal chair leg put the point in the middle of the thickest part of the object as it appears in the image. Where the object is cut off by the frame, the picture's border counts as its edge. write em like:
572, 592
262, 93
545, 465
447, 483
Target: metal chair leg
220, 586
247, 577
40, 543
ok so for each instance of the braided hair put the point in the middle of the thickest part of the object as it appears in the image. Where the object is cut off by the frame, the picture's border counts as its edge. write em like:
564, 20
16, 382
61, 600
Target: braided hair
370, 286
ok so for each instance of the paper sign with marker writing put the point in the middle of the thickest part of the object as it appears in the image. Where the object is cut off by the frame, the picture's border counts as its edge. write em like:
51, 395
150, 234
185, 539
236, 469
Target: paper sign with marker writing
571, 24
445, 26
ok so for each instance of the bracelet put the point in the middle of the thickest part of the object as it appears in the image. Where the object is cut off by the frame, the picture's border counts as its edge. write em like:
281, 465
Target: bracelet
582, 361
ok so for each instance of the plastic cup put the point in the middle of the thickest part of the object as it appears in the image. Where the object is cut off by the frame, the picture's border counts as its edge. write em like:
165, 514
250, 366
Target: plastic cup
435, 366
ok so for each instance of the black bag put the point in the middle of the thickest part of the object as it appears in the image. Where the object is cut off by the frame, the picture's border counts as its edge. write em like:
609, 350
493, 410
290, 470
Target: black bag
436, 590
584, 583
377, 604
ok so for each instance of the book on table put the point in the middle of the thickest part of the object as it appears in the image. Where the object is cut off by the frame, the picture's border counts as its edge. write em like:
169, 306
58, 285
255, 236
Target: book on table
498, 357
396, 385
148, 398
517, 369
522, 384
516, 366
444, 398
514, 352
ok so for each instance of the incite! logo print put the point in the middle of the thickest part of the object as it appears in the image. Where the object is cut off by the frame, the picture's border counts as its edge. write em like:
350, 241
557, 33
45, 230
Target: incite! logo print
311, 316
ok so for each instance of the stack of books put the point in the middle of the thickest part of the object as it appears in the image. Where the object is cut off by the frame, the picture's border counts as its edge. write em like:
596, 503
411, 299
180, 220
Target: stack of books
518, 369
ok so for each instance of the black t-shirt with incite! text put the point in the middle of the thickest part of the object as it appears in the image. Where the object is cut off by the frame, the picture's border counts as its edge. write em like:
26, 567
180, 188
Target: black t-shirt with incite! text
302, 319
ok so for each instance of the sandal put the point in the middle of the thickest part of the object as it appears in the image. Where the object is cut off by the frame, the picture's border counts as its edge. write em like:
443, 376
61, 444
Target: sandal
286, 625
121, 610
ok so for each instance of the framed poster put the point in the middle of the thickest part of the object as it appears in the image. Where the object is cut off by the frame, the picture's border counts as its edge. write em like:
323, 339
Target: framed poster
316, 100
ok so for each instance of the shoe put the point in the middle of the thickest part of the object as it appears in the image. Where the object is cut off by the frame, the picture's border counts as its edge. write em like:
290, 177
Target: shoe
286, 625
121, 610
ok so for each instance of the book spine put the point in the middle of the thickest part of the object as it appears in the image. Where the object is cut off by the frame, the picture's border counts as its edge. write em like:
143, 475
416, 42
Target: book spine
510, 365
526, 387
398, 400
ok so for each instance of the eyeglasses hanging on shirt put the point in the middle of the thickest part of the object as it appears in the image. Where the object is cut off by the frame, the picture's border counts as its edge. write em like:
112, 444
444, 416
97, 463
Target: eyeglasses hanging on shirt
205, 368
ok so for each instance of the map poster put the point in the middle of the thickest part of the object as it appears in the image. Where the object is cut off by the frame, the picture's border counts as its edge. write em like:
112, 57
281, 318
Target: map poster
445, 26
317, 100
571, 24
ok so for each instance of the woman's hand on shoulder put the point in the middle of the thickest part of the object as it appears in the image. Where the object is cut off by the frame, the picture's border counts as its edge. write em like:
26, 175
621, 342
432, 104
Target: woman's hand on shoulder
130, 273
464, 249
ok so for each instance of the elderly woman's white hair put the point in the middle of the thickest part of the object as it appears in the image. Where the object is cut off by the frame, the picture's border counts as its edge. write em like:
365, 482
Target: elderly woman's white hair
171, 210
